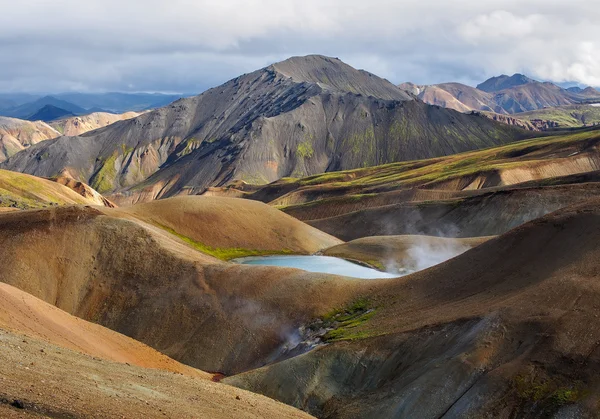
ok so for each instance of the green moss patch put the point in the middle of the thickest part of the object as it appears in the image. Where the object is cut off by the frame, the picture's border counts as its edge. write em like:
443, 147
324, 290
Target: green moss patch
224, 253
104, 178
344, 321
305, 150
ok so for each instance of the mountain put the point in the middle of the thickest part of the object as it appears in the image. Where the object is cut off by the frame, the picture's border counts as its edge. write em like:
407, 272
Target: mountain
17, 134
503, 82
77, 125
50, 113
574, 89
11, 100
302, 116
502, 95
27, 110
117, 102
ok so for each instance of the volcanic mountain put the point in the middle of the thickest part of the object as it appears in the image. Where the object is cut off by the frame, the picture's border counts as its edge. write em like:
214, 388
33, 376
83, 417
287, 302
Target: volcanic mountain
502, 95
77, 125
50, 113
502, 82
302, 116
17, 134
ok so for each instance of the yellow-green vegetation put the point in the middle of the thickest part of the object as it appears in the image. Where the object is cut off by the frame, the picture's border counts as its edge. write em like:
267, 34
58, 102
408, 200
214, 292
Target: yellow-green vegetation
190, 145
126, 150
344, 321
566, 116
535, 389
104, 178
22, 191
422, 172
305, 150
224, 253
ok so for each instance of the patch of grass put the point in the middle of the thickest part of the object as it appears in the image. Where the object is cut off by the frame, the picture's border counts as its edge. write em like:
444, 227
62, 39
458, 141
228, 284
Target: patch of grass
345, 320
547, 391
126, 150
104, 178
305, 150
224, 253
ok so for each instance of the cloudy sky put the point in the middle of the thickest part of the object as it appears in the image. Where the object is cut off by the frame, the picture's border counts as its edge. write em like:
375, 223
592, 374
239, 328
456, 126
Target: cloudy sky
190, 45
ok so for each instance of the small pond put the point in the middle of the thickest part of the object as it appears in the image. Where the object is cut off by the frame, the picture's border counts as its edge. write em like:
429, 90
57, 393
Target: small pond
323, 264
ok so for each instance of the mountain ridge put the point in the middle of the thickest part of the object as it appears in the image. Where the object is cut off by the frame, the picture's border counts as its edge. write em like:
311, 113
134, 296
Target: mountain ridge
502, 95
290, 118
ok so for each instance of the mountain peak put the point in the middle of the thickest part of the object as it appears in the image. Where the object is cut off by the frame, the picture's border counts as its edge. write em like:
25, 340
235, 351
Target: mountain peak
502, 82
49, 113
333, 74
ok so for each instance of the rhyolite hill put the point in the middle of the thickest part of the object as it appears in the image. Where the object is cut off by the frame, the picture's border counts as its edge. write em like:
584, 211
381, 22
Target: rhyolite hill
302, 116
503, 95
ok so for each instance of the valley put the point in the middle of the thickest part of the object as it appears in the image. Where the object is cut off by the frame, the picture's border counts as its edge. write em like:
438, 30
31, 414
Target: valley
304, 240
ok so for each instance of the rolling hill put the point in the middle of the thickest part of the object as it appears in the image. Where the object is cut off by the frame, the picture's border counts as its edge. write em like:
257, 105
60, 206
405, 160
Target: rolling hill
478, 193
570, 116
303, 116
76, 366
501, 330
22, 191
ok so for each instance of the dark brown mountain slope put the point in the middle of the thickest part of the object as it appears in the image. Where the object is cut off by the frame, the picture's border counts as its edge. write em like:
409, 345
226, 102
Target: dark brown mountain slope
303, 116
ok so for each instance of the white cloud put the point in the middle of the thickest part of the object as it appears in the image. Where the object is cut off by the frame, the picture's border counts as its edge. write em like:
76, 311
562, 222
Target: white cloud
189, 45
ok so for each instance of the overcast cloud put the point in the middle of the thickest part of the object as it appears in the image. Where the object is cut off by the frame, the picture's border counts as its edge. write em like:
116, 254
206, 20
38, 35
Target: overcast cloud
190, 45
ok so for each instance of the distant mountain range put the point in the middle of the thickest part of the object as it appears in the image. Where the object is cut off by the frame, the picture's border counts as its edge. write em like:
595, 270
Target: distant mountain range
302, 116
18, 134
502, 95
48, 108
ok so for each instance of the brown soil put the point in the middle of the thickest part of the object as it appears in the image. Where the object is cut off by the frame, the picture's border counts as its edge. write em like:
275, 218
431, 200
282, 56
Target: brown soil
46, 380
506, 329
23, 313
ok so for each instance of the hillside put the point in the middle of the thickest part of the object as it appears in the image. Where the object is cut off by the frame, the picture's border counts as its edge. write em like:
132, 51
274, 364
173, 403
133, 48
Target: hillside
303, 116
504, 326
564, 116
21, 191
22, 313
478, 193
249, 313
502, 330
46, 380
17, 134
78, 125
